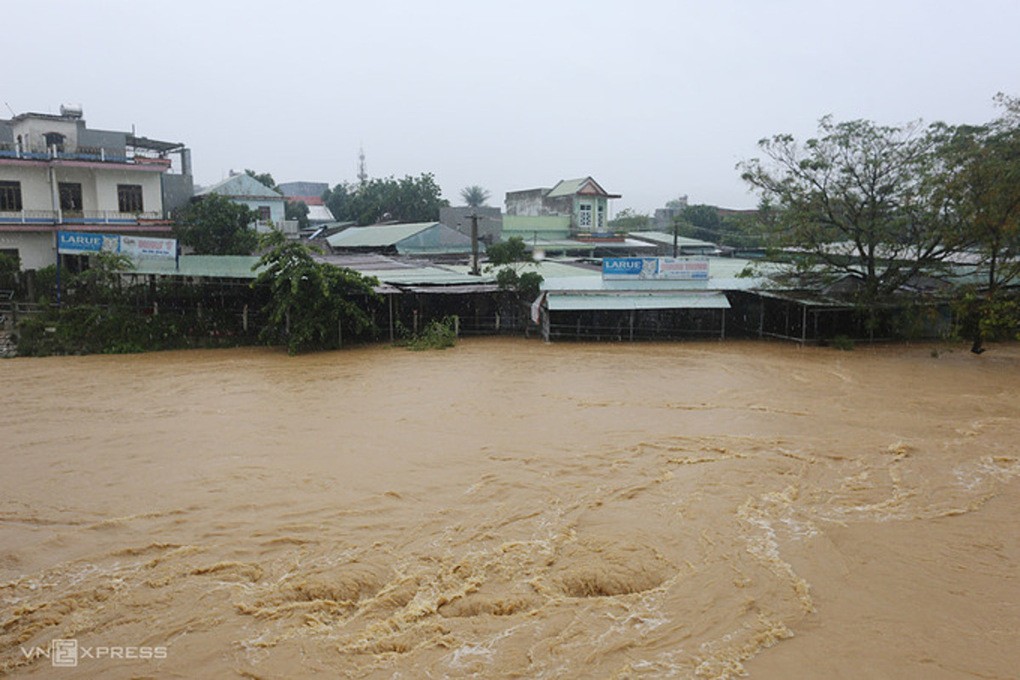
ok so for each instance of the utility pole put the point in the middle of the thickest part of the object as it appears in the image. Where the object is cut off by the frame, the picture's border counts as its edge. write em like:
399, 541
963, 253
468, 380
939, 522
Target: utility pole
676, 231
474, 244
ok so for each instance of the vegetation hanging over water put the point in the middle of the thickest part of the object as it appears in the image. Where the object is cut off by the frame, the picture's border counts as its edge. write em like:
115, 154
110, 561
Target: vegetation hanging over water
312, 305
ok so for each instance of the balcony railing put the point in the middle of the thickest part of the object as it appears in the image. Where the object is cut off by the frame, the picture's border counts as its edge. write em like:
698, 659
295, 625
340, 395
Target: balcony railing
81, 153
75, 217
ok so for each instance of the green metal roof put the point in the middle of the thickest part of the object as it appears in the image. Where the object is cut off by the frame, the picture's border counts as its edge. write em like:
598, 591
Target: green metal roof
558, 302
212, 266
569, 187
243, 185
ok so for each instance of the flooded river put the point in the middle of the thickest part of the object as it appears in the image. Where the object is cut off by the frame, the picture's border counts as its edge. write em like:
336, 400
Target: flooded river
512, 509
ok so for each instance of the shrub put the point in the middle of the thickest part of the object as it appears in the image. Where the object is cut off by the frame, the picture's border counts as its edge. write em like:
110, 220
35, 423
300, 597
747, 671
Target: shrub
436, 335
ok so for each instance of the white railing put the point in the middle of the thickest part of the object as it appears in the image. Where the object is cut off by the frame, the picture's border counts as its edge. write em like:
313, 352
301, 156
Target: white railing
81, 153
75, 217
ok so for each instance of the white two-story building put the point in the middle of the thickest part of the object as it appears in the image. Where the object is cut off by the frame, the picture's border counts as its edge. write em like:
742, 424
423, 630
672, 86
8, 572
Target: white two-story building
58, 175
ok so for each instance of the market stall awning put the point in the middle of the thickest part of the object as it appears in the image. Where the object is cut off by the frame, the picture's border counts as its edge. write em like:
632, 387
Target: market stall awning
557, 302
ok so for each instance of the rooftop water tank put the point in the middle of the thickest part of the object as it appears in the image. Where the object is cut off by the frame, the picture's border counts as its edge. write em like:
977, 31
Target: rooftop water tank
70, 110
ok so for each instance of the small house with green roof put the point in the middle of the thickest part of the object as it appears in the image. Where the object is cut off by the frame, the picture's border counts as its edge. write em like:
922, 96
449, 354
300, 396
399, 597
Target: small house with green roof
572, 208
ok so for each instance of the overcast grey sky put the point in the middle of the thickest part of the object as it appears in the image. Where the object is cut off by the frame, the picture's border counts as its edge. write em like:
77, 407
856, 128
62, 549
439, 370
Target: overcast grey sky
652, 98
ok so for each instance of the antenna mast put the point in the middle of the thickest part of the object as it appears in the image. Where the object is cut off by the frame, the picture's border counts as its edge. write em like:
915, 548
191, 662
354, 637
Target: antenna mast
362, 172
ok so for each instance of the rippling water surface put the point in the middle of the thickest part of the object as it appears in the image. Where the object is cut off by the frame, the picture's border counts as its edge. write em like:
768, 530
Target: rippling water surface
512, 509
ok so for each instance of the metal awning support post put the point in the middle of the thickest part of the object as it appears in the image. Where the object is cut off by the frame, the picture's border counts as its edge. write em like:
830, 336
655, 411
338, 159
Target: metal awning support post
390, 296
474, 244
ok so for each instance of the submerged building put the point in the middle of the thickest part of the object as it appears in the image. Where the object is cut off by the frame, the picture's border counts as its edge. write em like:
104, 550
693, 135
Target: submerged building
57, 174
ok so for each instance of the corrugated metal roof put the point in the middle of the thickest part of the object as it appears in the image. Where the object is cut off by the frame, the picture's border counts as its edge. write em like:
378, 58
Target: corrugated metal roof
319, 213
664, 238
377, 237
433, 276
547, 268
241, 185
213, 266
558, 302
569, 187
594, 283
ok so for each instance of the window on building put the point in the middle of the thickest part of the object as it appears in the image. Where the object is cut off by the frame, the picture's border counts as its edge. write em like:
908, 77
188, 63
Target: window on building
584, 215
129, 198
264, 213
601, 217
54, 139
70, 197
10, 196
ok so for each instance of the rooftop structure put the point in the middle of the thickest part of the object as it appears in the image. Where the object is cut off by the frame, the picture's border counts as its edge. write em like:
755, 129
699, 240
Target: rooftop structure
572, 208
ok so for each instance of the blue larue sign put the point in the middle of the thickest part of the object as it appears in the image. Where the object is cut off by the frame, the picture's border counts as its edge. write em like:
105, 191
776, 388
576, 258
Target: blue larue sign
79, 243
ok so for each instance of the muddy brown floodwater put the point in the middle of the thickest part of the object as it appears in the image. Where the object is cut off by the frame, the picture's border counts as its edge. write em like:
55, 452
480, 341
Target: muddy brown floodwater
513, 509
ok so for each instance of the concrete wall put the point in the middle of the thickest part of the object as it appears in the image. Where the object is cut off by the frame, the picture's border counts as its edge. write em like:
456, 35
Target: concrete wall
110, 140
106, 182
177, 192
303, 188
34, 129
548, 227
276, 207
535, 203
36, 249
490, 221
35, 184
528, 202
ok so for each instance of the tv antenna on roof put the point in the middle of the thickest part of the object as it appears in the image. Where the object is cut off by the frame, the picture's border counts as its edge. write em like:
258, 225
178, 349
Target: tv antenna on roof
10, 109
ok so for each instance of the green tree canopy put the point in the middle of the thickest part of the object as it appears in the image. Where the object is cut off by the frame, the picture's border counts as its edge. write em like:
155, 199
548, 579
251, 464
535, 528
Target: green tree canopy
296, 210
215, 225
857, 200
411, 199
628, 220
263, 177
980, 186
312, 305
508, 252
474, 196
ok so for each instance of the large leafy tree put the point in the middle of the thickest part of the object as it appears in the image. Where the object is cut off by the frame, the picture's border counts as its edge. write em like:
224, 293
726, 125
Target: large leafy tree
858, 200
215, 225
411, 199
511, 251
312, 305
296, 210
981, 187
509, 256
628, 220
